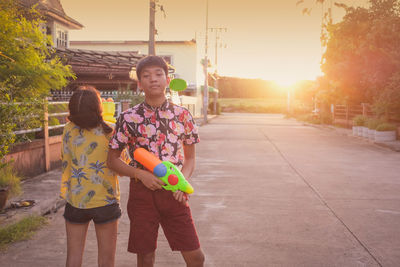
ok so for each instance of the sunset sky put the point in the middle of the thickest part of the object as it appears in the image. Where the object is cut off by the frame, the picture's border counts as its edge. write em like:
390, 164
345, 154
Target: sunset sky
265, 39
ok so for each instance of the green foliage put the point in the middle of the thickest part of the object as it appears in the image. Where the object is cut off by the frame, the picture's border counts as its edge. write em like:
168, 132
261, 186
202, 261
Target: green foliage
21, 230
253, 105
211, 108
360, 120
386, 127
361, 55
321, 118
136, 99
9, 179
230, 87
326, 118
309, 118
373, 123
389, 98
57, 108
28, 70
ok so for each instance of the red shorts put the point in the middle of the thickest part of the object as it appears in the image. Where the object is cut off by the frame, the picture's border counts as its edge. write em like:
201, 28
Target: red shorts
148, 209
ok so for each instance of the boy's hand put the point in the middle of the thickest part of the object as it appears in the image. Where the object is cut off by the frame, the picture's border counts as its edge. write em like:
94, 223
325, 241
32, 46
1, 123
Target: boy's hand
151, 182
181, 197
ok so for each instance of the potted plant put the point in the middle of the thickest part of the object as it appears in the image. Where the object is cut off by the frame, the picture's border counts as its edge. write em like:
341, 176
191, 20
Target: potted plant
358, 125
385, 132
10, 183
372, 124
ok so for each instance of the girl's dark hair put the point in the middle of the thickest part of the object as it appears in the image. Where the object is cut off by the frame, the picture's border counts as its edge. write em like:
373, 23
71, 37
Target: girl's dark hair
85, 109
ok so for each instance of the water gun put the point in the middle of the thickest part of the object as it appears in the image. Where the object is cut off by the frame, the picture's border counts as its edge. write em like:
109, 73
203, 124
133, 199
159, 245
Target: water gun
108, 110
177, 84
165, 170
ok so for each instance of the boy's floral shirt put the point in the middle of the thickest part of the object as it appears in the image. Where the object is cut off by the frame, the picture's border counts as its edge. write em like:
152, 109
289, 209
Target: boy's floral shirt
86, 181
161, 130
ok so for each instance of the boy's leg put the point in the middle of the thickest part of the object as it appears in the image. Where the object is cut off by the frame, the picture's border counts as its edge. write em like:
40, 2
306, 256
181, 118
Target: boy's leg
76, 237
146, 260
193, 258
107, 242
179, 229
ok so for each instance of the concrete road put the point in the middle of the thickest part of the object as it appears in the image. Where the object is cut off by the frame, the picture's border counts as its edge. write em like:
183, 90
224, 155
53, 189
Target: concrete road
269, 192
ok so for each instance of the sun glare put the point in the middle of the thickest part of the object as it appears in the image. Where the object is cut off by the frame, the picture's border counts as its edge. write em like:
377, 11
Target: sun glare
286, 82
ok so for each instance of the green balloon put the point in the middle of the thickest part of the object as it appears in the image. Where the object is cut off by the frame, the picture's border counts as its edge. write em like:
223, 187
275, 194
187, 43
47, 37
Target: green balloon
177, 84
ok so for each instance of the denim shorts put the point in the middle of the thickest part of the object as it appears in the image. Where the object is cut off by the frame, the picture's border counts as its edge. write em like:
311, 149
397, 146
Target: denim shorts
100, 215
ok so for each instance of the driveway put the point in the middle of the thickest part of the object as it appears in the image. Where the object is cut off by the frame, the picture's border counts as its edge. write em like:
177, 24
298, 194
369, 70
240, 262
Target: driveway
269, 192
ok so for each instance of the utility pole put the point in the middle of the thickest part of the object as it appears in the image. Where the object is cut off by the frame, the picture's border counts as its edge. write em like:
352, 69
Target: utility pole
152, 28
205, 91
217, 30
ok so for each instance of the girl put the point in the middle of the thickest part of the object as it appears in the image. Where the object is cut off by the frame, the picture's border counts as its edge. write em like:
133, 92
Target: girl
89, 187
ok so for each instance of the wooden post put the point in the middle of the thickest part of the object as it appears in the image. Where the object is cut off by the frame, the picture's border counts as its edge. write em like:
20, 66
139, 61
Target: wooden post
347, 114
364, 109
215, 103
125, 104
46, 137
333, 113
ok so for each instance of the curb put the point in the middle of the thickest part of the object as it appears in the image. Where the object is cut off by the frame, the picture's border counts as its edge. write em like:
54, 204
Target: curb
200, 121
393, 145
44, 190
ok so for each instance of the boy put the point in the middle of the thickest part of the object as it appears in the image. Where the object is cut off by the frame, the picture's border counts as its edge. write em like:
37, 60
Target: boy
169, 132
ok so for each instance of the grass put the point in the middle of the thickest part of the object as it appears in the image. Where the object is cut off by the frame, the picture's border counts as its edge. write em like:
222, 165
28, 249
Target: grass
253, 105
260, 105
9, 178
22, 230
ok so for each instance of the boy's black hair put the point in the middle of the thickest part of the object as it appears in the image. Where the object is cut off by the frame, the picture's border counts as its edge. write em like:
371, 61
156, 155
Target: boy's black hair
85, 109
151, 61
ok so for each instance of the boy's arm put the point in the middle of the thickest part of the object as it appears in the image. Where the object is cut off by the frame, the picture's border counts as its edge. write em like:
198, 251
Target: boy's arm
189, 161
116, 164
187, 170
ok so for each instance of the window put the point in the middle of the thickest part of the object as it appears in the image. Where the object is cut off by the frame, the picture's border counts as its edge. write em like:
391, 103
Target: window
62, 38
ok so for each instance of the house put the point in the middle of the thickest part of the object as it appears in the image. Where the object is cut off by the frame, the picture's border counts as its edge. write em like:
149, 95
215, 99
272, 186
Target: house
182, 55
105, 70
57, 23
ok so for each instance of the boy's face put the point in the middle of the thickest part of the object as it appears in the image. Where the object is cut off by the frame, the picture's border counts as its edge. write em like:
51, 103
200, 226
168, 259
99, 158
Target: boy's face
153, 81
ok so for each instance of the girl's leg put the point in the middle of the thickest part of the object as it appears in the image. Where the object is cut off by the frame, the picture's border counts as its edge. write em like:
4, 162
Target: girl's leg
76, 237
107, 242
146, 260
194, 258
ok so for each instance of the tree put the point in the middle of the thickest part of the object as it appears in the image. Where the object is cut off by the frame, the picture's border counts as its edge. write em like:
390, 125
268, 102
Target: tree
28, 70
361, 56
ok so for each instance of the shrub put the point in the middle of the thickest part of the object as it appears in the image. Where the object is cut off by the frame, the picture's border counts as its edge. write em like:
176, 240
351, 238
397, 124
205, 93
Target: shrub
385, 127
310, 118
373, 123
9, 179
211, 108
359, 120
326, 118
